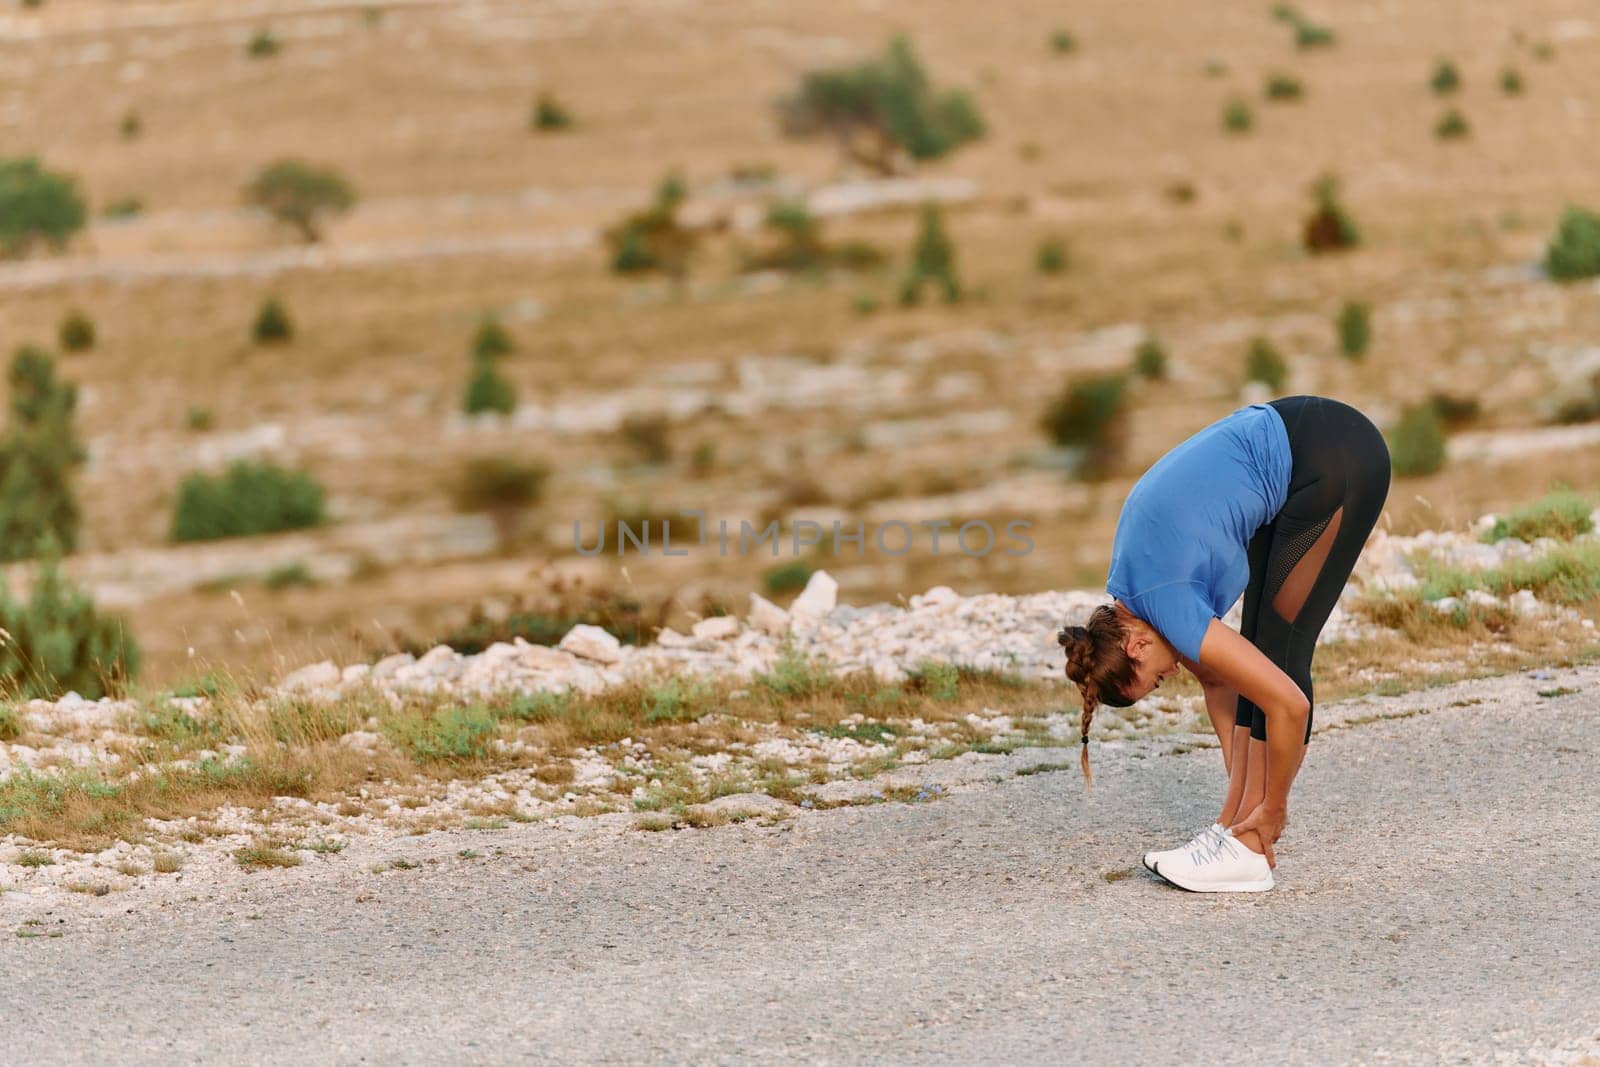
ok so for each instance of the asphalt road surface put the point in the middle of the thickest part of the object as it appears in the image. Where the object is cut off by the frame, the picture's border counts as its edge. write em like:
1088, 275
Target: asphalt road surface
1437, 902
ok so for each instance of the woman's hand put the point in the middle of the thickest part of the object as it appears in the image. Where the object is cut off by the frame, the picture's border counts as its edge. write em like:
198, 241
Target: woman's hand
1268, 823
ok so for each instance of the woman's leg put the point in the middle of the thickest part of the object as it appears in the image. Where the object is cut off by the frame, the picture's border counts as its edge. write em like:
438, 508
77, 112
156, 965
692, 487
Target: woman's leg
1337, 491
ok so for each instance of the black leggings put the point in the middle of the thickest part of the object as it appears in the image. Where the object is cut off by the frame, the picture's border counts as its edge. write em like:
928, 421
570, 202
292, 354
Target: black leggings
1300, 561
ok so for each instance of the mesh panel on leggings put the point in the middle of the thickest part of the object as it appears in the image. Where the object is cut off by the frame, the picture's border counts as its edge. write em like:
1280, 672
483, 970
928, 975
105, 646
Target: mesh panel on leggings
1292, 553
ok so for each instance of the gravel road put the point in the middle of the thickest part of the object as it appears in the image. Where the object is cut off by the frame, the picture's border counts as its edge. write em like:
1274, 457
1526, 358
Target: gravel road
1437, 902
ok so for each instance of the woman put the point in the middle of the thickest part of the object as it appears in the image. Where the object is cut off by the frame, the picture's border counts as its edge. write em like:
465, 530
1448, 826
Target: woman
1276, 501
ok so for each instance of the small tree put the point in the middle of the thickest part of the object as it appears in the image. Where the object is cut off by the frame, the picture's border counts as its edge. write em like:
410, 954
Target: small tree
1446, 79
1283, 87
503, 486
1237, 117
76, 332
38, 458
1051, 257
1150, 359
488, 391
301, 194
1263, 363
36, 206
1063, 42
491, 341
1416, 443
1089, 414
263, 44
882, 110
1354, 326
56, 641
272, 325
549, 115
652, 239
131, 126
1511, 81
1329, 227
1574, 252
932, 260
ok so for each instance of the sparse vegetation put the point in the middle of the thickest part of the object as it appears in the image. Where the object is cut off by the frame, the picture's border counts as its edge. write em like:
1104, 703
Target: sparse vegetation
1416, 443
652, 239
301, 194
1090, 414
76, 332
1452, 126
272, 325
1283, 87
249, 498
263, 44
549, 114
504, 486
1574, 252
1150, 358
1051, 257
788, 577
260, 857
131, 125
882, 111
1264, 363
798, 244
37, 207
1237, 116
1329, 227
1446, 79
1562, 514
1062, 42
932, 261
125, 208
488, 391
1354, 326
1511, 81
57, 641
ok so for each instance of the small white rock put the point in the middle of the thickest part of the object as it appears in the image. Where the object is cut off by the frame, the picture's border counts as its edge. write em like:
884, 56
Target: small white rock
817, 598
593, 643
717, 627
316, 676
766, 616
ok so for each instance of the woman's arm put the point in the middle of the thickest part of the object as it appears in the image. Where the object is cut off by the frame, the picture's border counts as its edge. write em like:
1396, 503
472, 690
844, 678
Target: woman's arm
1222, 705
1244, 668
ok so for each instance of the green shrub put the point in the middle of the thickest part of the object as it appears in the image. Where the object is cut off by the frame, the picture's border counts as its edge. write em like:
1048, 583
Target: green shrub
1454, 411
263, 44
250, 498
1237, 117
1562, 514
505, 487
198, 419
1574, 252
565, 606
865, 304
549, 115
652, 239
446, 736
1416, 443
10, 723
488, 391
491, 341
1445, 78
1051, 257
1150, 358
1544, 51
272, 325
1283, 87
1511, 81
300, 194
650, 437
1452, 126
1063, 42
57, 642
289, 574
703, 460
1263, 363
1329, 227
1354, 326
882, 108
932, 260
76, 332
39, 456
788, 577
1090, 414
1308, 35
798, 244
131, 125
36, 207
125, 208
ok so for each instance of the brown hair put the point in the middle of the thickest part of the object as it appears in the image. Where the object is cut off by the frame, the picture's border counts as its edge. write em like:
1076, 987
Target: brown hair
1097, 660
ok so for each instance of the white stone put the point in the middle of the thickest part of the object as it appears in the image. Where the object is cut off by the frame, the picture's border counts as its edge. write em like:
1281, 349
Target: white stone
670, 638
817, 598
766, 616
1524, 603
938, 596
1480, 598
717, 627
389, 664
315, 676
1445, 605
592, 643
355, 672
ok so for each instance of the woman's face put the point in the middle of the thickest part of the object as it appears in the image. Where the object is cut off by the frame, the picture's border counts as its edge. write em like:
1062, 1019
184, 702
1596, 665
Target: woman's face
1154, 658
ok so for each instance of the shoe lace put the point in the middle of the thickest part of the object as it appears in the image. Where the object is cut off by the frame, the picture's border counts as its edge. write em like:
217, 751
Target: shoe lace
1213, 847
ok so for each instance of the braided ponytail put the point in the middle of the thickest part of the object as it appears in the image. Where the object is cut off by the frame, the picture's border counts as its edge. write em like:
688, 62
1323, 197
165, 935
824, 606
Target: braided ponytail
1097, 661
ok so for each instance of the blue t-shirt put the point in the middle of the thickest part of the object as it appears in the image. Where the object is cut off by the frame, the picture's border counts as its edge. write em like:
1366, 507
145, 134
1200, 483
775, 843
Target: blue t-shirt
1180, 558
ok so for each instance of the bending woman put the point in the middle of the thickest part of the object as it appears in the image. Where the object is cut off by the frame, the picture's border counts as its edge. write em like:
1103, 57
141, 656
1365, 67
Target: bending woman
1275, 501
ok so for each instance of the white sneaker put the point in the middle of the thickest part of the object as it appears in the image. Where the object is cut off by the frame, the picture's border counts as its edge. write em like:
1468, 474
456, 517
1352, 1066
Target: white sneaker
1150, 859
1220, 865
